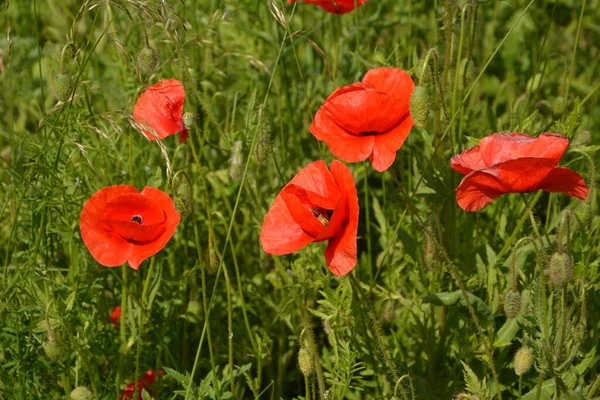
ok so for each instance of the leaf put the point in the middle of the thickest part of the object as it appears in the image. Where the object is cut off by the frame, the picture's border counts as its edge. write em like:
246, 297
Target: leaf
177, 376
452, 298
507, 333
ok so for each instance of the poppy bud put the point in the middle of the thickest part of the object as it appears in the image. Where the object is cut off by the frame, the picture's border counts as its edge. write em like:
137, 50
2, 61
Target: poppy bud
195, 308
82, 393
583, 213
5, 154
560, 269
463, 396
147, 60
306, 362
211, 261
189, 119
466, 73
523, 360
582, 138
63, 86
236, 164
182, 205
419, 106
53, 350
512, 303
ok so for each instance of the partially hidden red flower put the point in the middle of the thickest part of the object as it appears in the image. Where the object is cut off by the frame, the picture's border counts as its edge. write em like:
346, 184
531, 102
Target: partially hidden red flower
115, 317
144, 383
368, 119
317, 204
334, 6
160, 108
119, 224
514, 163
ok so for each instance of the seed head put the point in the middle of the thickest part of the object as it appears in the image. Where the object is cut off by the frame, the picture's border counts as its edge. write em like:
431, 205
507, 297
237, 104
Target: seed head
419, 106
63, 86
512, 303
523, 360
147, 60
82, 393
305, 362
560, 269
53, 350
236, 164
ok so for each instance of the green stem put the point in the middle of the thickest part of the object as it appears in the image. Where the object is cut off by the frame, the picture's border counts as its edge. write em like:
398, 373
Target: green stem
122, 329
574, 54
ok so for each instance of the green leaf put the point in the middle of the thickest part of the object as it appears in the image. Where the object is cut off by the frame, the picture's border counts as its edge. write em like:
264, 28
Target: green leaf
452, 298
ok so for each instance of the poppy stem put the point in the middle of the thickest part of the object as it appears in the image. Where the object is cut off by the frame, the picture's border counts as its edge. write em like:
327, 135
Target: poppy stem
533, 223
122, 330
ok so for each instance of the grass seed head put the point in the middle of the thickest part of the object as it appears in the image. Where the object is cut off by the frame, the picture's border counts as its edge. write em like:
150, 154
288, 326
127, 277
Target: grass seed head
82, 393
523, 360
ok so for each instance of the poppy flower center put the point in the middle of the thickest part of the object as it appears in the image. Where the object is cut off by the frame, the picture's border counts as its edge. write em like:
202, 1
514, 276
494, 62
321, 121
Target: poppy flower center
369, 133
137, 219
322, 215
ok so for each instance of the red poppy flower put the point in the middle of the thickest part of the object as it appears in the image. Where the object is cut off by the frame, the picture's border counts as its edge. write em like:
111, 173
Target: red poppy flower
160, 108
514, 163
144, 383
118, 224
334, 6
367, 119
115, 317
317, 204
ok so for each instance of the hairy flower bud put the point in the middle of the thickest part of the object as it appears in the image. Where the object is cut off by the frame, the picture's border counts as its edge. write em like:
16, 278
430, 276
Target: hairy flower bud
195, 308
523, 360
147, 60
63, 86
183, 205
236, 163
53, 350
581, 138
419, 106
466, 73
82, 393
512, 303
211, 261
306, 362
560, 269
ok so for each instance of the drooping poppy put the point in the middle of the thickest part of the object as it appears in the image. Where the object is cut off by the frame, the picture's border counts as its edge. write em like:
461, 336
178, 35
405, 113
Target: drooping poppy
514, 163
160, 108
334, 6
317, 204
119, 224
144, 384
115, 317
367, 119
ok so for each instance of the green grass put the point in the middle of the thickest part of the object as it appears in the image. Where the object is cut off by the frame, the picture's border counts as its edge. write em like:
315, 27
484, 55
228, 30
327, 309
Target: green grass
422, 316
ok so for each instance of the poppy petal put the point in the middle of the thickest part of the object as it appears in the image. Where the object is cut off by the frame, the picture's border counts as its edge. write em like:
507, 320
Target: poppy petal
172, 218
317, 183
301, 214
468, 161
108, 248
501, 147
566, 181
393, 81
340, 254
160, 108
522, 174
477, 190
351, 148
387, 144
280, 233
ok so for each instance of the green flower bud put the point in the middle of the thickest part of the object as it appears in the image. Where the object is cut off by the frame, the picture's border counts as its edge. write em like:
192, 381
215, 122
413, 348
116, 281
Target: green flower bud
583, 213
53, 350
582, 138
63, 86
189, 119
82, 393
560, 269
147, 60
523, 360
419, 106
183, 205
466, 73
195, 308
236, 164
211, 261
306, 362
512, 303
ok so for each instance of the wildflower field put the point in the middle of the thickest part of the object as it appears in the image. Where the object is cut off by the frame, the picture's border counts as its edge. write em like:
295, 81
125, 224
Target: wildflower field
310, 199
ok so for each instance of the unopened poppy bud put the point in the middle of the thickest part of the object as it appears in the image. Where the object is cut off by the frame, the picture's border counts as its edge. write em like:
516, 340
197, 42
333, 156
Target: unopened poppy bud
189, 119
63, 86
582, 138
211, 261
523, 360
466, 73
195, 308
236, 164
512, 303
306, 362
147, 60
583, 213
82, 393
53, 350
419, 106
183, 205
6, 154
560, 269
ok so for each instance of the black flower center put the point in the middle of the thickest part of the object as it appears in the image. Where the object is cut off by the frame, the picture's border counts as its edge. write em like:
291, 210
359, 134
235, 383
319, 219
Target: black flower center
369, 133
137, 219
